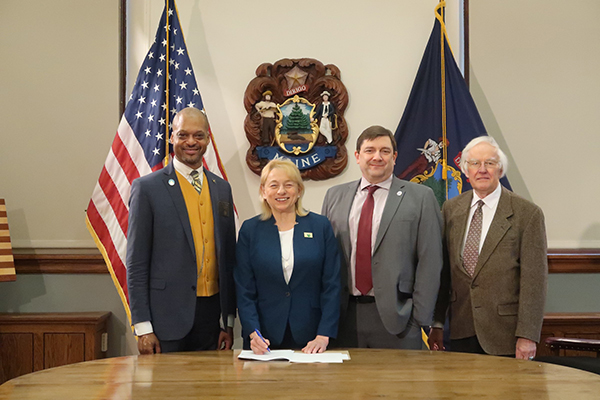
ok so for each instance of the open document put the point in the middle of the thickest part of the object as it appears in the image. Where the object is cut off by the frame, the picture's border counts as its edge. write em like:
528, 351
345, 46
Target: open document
295, 356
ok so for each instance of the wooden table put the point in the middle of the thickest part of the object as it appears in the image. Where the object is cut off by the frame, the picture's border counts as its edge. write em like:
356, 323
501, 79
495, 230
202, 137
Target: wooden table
370, 374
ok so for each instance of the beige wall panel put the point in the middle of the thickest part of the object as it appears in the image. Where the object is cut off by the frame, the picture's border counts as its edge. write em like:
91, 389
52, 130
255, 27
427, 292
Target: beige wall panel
534, 71
59, 74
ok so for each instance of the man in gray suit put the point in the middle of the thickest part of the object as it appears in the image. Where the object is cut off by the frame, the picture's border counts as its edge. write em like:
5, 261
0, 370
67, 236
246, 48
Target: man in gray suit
495, 263
389, 231
181, 249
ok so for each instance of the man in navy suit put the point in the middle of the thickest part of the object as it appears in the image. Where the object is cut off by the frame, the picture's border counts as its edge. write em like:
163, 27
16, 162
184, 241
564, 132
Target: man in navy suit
181, 249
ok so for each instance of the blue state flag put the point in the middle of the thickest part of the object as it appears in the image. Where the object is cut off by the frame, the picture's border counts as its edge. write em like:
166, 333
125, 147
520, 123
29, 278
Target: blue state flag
439, 120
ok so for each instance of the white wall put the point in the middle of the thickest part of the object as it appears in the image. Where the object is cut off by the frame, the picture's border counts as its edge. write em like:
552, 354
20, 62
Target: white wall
534, 77
59, 107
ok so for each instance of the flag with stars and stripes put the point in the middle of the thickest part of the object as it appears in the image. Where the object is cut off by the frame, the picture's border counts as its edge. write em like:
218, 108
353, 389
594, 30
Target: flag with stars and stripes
7, 261
165, 85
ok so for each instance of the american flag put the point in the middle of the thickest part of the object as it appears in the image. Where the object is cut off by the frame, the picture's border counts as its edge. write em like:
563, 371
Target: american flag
7, 261
140, 146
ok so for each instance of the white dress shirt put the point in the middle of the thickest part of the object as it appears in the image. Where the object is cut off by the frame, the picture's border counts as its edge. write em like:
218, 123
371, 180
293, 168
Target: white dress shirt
185, 171
286, 239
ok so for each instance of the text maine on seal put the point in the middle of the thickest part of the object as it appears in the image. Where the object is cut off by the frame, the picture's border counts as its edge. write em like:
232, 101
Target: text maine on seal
295, 110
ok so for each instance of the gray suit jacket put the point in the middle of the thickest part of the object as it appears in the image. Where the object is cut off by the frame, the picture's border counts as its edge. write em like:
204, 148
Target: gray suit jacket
161, 257
407, 256
506, 296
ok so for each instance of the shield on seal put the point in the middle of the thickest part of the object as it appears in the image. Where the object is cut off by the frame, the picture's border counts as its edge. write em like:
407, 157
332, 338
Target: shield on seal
296, 131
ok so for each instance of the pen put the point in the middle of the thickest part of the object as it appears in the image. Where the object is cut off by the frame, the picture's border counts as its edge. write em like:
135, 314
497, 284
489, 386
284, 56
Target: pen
263, 339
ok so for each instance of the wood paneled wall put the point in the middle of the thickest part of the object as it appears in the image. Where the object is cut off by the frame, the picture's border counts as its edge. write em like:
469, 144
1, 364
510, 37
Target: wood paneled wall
559, 261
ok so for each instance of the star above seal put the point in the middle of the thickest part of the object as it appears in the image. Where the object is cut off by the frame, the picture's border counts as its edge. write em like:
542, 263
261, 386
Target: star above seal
295, 77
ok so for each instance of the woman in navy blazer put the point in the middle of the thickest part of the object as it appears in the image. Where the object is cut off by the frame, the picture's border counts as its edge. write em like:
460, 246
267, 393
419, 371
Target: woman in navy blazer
288, 269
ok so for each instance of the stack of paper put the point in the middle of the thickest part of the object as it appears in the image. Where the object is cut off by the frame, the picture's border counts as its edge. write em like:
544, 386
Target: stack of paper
295, 356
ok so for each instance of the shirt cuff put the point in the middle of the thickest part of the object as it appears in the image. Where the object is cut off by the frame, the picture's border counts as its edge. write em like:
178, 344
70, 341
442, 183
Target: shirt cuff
143, 328
438, 325
230, 320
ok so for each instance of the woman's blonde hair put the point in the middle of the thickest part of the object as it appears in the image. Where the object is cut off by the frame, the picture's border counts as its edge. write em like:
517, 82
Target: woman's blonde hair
293, 173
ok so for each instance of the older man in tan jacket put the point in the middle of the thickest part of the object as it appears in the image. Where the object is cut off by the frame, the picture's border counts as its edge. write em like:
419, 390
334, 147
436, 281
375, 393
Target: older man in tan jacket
495, 263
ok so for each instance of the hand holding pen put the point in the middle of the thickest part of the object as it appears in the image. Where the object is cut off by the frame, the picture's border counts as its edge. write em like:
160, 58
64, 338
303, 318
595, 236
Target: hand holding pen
258, 343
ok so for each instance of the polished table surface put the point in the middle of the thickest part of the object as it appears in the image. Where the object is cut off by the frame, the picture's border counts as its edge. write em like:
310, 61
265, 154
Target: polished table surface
369, 374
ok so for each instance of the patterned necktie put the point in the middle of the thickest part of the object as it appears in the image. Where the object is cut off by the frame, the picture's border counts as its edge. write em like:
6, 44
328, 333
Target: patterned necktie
364, 279
471, 251
196, 181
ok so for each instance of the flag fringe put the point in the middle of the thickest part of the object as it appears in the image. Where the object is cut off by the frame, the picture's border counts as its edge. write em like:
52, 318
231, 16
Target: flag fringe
110, 268
439, 14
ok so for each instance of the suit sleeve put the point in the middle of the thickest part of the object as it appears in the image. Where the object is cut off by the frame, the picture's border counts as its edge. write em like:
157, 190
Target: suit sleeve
325, 206
330, 283
429, 264
139, 248
443, 298
245, 282
533, 280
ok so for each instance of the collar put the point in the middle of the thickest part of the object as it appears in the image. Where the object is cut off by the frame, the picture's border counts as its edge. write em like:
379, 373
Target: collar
491, 200
186, 170
387, 184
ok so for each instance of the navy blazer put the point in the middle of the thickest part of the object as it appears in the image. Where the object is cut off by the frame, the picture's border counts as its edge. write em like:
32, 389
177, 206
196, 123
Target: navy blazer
161, 257
310, 302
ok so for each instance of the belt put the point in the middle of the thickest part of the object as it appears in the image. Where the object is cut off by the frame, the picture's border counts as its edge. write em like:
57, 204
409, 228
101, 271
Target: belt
363, 299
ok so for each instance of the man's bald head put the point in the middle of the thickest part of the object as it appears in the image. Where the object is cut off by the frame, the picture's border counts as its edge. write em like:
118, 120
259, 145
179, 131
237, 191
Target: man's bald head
189, 113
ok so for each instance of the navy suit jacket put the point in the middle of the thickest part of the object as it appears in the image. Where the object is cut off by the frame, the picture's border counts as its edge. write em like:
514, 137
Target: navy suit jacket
161, 257
310, 302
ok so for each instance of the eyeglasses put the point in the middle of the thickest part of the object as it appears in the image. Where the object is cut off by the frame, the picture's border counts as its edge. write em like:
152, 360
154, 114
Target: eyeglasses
489, 164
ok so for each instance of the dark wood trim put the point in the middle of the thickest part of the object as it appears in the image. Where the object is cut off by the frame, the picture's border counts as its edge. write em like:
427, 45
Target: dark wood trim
122, 57
571, 319
467, 58
54, 318
60, 264
560, 261
556, 344
573, 261
568, 325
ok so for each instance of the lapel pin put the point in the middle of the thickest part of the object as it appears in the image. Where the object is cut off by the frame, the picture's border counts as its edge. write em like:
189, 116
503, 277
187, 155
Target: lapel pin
308, 235
399, 193
171, 182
